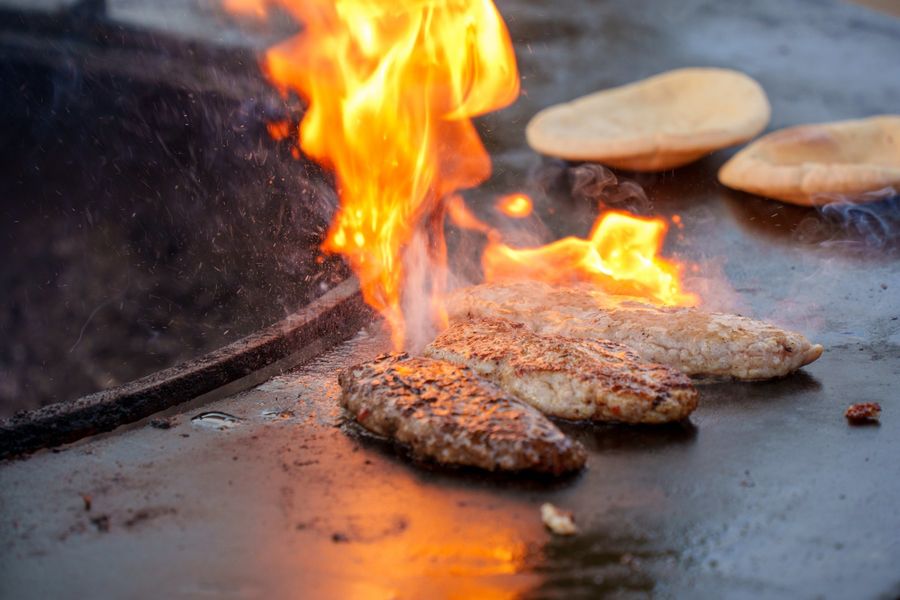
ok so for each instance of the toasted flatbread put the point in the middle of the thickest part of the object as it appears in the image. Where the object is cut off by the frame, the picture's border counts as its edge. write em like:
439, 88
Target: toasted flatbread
821, 163
655, 124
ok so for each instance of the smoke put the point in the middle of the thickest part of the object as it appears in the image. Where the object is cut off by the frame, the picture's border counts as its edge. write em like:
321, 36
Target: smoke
868, 221
589, 183
416, 307
595, 183
426, 274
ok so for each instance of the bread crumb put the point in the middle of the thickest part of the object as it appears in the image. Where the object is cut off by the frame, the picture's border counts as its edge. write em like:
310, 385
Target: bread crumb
560, 522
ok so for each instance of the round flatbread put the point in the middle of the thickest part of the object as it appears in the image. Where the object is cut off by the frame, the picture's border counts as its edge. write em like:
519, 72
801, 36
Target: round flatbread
654, 124
819, 164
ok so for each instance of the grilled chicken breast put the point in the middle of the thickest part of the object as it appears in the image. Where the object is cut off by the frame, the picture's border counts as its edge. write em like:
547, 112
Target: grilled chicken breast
568, 377
697, 342
445, 412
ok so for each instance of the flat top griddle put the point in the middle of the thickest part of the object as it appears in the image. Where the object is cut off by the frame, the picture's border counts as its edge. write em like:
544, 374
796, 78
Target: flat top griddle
766, 492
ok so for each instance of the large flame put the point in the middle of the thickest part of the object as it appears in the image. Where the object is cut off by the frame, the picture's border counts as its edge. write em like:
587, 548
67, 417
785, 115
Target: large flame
392, 87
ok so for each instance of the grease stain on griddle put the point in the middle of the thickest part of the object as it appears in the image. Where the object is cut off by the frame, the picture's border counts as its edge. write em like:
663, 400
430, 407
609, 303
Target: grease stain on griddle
163, 422
215, 420
277, 414
148, 514
602, 563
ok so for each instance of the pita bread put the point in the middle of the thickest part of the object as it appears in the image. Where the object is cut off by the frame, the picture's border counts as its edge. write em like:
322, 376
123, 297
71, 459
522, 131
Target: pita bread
818, 164
655, 124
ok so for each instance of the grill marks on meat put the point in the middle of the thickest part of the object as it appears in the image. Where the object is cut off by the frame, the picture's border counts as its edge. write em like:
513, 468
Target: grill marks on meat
444, 412
567, 377
696, 342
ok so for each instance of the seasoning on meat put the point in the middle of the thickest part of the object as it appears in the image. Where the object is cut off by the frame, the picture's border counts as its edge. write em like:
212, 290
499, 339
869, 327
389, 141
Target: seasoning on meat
697, 342
446, 413
568, 377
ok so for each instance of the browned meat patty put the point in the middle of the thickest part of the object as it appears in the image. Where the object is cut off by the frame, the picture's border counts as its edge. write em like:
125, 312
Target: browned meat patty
568, 377
695, 341
447, 413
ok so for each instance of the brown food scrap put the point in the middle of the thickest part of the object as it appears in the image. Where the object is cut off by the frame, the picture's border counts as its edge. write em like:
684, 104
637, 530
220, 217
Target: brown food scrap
560, 522
863, 412
101, 522
86, 498
161, 423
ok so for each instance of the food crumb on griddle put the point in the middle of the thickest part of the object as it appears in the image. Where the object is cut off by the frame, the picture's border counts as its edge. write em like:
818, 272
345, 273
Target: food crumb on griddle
101, 522
161, 423
560, 522
862, 413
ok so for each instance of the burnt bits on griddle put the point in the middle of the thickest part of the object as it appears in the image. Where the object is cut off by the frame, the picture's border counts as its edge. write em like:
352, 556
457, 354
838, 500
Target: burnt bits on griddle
863, 413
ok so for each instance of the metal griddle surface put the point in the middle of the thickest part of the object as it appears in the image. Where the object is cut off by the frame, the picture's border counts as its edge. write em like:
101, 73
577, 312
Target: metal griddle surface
767, 492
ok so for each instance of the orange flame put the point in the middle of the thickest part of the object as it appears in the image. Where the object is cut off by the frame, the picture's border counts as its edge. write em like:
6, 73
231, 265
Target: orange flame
462, 217
517, 206
279, 130
391, 89
621, 256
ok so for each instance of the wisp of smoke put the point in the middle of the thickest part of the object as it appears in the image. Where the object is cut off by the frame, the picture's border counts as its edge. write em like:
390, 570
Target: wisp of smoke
870, 221
590, 183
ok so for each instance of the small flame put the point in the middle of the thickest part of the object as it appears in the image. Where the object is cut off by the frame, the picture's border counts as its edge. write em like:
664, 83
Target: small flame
516, 206
621, 256
462, 217
392, 88
279, 130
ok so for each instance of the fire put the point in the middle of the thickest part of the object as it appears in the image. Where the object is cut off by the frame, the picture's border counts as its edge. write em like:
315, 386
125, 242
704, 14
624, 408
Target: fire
621, 256
517, 206
279, 130
392, 88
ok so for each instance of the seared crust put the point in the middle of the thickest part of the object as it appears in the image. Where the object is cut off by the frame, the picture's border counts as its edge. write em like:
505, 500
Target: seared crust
696, 342
446, 413
568, 377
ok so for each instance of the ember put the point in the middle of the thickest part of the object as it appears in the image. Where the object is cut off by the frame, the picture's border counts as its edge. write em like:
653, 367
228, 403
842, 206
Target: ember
517, 206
